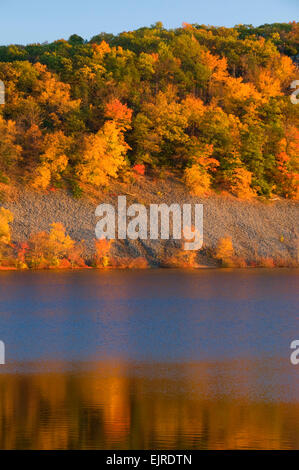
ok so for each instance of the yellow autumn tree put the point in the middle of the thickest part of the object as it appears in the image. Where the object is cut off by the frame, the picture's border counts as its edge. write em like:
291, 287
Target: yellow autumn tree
287, 175
6, 217
240, 183
103, 155
193, 109
197, 180
267, 83
42, 177
225, 251
234, 93
53, 161
273, 79
49, 249
54, 96
9, 150
62, 243
198, 177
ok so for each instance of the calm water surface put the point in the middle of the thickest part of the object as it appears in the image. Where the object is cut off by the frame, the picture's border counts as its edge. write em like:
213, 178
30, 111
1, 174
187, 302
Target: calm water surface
149, 359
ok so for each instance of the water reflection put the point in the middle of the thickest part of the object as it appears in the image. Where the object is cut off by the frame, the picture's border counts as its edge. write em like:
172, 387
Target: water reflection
153, 359
124, 405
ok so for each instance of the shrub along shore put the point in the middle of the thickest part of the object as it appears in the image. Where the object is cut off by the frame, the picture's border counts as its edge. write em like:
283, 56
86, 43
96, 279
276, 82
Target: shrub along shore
52, 229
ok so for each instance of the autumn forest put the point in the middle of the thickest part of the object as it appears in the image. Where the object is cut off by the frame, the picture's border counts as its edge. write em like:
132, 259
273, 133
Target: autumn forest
211, 104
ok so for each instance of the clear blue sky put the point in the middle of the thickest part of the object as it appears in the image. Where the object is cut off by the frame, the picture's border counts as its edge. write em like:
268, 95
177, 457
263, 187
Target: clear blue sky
28, 21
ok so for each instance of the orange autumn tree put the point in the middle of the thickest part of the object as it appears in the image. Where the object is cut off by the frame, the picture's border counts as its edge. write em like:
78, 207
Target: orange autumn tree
102, 255
99, 50
20, 259
119, 113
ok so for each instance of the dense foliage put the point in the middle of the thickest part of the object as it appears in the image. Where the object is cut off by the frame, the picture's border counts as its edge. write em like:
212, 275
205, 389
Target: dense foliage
211, 103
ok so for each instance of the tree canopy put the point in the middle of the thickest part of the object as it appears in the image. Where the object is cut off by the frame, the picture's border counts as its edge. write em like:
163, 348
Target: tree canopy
210, 102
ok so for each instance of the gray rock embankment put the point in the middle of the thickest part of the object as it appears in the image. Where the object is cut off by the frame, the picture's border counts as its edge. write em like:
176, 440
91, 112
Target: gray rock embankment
258, 229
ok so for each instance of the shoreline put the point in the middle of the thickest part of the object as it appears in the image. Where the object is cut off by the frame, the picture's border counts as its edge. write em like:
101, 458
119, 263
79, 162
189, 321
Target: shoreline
263, 234
149, 268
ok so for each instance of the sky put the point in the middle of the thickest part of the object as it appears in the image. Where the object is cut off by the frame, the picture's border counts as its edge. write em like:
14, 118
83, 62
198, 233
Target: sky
32, 21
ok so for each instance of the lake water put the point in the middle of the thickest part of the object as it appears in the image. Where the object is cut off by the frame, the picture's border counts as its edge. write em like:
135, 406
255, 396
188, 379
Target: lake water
153, 359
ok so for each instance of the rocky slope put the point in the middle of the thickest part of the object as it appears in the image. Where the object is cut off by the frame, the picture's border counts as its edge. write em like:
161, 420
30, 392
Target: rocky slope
258, 229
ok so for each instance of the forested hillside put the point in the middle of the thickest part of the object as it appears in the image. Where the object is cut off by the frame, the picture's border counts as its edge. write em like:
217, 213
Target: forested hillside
211, 104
